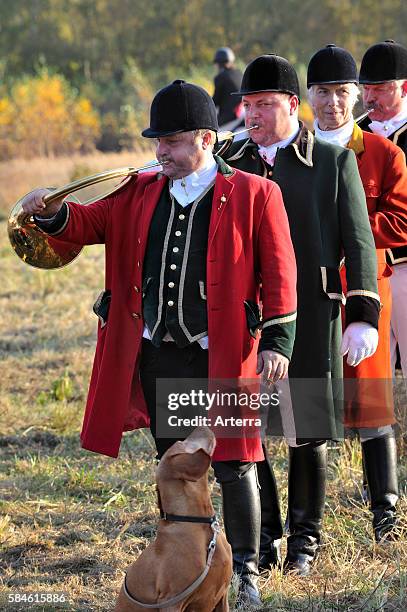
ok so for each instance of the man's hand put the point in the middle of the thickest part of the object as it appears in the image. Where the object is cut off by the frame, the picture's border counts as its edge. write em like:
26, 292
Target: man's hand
359, 341
272, 366
33, 204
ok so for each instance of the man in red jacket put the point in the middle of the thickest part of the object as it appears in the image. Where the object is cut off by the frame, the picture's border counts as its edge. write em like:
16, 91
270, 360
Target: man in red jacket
186, 251
383, 75
332, 81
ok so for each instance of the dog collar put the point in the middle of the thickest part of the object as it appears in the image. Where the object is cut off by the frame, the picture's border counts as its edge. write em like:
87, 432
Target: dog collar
165, 516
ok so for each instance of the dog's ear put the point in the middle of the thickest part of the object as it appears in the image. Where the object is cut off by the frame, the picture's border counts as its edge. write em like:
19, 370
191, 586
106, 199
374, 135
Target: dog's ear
191, 458
201, 438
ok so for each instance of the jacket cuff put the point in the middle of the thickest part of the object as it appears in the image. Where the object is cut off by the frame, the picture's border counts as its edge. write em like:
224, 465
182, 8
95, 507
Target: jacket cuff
362, 308
54, 225
278, 335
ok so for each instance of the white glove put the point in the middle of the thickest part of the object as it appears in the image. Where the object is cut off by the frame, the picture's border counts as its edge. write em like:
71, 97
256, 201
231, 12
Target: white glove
359, 340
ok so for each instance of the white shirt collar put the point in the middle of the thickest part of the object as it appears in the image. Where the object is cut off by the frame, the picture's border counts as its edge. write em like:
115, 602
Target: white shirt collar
189, 188
341, 136
388, 127
269, 153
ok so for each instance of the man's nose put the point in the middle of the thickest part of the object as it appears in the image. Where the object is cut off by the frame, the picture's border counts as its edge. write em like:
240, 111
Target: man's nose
251, 114
161, 149
333, 99
368, 96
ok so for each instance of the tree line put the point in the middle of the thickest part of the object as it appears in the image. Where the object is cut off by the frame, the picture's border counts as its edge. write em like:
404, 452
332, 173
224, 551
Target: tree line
116, 53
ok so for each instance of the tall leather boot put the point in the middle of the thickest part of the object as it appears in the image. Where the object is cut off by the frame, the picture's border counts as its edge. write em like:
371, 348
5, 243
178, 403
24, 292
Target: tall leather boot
380, 460
306, 501
241, 515
271, 526
365, 488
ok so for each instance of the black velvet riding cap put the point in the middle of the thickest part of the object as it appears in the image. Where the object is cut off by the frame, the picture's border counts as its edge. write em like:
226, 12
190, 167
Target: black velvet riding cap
331, 64
269, 73
385, 61
181, 107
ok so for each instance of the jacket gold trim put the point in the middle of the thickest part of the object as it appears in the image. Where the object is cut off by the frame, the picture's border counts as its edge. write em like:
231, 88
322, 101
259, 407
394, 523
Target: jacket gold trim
286, 319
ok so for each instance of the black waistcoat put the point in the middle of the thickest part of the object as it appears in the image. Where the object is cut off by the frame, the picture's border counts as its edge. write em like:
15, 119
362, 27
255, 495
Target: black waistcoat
174, 270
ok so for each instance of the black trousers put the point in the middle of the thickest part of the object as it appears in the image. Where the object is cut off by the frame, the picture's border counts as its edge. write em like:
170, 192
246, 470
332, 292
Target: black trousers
169, 361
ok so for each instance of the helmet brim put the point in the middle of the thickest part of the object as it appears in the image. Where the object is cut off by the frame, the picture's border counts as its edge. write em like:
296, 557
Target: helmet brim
334, 82
150, 133
248, 92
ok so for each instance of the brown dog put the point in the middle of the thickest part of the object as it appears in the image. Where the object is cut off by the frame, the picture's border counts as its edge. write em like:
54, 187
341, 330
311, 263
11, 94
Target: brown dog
182, 550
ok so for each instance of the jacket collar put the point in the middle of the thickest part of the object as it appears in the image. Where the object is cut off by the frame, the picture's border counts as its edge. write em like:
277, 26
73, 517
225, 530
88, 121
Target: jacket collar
400, 131
303, 146
223, 167
356, 143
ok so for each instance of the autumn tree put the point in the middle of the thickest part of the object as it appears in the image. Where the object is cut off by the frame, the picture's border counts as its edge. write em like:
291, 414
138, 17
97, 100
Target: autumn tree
44, 116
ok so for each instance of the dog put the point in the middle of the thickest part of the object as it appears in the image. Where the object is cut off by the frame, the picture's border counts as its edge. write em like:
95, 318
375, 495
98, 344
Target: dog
167, 573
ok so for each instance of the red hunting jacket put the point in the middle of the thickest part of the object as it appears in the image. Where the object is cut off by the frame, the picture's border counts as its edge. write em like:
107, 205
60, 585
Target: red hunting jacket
382, 168
249, 242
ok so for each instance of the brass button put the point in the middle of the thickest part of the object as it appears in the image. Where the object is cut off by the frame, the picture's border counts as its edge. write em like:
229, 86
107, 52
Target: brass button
139, 240
135, 315
138, 264
173, 267
175, 250
136, 289
182, 217
178, 233
170, 303
171, 285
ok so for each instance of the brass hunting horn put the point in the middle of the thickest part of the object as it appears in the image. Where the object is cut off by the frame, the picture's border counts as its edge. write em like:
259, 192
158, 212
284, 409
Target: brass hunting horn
41, 250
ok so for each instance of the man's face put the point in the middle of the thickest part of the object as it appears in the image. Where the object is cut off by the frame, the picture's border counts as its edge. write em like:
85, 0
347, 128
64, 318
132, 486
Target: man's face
332, 104
386, 99
273, 113
183, 152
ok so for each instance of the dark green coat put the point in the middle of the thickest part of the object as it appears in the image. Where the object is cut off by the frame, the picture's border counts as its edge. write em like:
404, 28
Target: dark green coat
326, 209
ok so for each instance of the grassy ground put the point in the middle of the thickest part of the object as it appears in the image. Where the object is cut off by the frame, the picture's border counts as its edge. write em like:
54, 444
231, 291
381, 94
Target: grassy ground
71, 521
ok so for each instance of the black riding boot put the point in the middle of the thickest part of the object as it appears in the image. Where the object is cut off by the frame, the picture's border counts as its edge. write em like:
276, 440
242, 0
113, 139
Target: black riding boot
241, 515
365, 488
380, 460
306, 501
271, 527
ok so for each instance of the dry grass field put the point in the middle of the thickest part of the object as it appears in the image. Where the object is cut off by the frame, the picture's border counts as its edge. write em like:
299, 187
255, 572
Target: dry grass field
71, 521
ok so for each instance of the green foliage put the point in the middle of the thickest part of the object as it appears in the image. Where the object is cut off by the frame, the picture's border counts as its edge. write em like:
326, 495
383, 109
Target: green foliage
93, 40
61, 390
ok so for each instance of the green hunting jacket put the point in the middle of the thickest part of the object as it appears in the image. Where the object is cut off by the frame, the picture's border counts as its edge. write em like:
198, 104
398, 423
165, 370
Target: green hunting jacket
326, 208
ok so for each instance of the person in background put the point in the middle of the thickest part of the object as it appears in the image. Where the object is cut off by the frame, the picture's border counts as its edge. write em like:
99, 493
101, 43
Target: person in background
333, 92
325, 203
383, 75
228, 79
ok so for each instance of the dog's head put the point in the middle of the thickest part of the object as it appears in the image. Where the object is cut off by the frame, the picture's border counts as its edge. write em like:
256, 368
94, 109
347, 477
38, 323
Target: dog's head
190, 459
